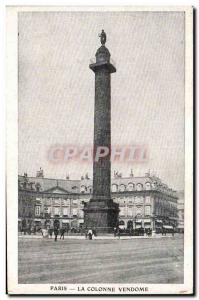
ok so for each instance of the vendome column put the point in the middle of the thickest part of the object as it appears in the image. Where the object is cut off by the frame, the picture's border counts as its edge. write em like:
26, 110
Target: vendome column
101, 212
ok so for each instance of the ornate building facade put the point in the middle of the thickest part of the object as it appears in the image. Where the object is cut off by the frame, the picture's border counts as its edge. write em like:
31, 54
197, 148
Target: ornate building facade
143, 201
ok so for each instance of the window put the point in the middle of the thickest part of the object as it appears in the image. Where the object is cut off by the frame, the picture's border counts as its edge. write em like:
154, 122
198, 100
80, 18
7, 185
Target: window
65, 202
130, 200
37, 210
139, 210
114, 188
120, 201
48, 202
74, 211
81, 213
56, 202
148, 186
154, 184
122, 188
138, 200
139, 187
147, 210
65, 211
47, 209
122, 211
56, 210
130, 187
130, 211
38, 201
147, 200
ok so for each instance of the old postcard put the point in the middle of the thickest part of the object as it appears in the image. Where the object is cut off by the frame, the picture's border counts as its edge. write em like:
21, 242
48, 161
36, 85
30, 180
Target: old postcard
99, 150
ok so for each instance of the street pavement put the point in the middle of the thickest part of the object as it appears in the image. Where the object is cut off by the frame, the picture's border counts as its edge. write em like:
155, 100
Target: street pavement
137, 260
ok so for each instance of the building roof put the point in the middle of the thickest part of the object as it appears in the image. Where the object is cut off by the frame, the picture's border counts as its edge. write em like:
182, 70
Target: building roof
75, 186
46, 184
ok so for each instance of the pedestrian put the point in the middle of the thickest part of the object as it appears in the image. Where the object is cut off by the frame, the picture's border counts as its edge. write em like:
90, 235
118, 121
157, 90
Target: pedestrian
118, 233
173, 232
86, 233
115, 231
62, 232
34, 230
50, 232
29, 229
56, 232
131, 231
90, 234
94, 232
44, 232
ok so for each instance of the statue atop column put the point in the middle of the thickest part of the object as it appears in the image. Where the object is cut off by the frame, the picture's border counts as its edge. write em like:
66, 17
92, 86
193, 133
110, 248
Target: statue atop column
102, 37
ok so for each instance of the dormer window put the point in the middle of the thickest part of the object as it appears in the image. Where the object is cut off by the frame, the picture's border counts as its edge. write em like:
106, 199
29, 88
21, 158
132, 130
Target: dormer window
148, 186
122, 188
154, 184
130, 187
139, 187
114, 188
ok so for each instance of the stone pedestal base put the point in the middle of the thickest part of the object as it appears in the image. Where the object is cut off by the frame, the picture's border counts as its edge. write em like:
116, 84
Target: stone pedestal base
101, 215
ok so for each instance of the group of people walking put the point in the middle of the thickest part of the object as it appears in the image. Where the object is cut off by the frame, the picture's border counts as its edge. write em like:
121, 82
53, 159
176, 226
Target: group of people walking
90, 233
48, 232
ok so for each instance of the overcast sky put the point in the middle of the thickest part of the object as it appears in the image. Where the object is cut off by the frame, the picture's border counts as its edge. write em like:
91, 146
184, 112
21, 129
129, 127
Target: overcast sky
56, 88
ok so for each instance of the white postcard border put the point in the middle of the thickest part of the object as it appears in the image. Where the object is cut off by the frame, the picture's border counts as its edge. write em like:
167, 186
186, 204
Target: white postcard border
12, 163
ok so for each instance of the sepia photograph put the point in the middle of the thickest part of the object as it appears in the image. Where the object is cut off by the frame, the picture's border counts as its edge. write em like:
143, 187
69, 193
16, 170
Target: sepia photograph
100, 150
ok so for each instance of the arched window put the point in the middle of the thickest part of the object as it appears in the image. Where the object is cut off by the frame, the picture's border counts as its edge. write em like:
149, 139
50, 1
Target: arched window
130, 186
121, 222
129, 224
